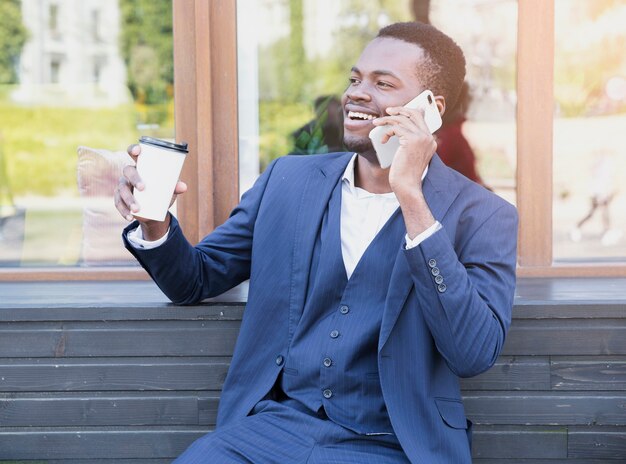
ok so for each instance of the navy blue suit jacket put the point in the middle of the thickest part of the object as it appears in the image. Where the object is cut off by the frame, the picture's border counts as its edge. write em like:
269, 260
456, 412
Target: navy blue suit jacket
430, 334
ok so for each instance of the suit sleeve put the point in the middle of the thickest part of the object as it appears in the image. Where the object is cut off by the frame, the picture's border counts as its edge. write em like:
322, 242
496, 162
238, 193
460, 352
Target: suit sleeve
188, 274
466, 296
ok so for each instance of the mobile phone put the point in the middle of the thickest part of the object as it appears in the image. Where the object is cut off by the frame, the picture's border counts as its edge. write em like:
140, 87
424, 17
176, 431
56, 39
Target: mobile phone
386, 151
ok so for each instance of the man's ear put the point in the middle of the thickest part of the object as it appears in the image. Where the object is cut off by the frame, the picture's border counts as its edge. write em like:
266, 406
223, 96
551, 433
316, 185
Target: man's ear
440, 101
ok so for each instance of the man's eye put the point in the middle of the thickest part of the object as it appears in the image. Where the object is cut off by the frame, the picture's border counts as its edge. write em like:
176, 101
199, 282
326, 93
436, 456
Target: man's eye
353, 80
384, 84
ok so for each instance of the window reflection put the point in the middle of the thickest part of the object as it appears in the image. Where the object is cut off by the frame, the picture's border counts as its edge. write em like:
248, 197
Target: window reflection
94, 74
589, 130
294, 52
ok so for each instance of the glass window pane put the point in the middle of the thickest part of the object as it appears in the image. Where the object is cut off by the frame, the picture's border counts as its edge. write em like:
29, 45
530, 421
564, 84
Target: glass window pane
590, 131
294, 61
94, 74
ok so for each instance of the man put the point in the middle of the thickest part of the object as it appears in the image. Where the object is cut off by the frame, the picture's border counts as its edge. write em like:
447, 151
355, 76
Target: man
371, 291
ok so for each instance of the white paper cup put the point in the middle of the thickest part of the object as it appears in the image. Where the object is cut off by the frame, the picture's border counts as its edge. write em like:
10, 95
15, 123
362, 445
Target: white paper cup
159, 166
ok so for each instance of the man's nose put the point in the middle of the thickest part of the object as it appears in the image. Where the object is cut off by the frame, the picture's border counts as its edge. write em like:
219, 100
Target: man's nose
358, 93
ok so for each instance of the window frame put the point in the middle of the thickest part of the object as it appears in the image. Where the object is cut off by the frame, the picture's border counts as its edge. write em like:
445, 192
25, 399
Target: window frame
206, 112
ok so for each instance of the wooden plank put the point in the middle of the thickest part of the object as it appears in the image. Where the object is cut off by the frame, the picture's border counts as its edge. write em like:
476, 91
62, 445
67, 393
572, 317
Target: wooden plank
132, 313
608, 443
588, 373
513, 373
535, 96
100, 409
225, 106
545, 408
567, 337
112, 374
539, 461
99, 461
205, 51
100, 295
173, 338
105, 274
64, 444
505, 442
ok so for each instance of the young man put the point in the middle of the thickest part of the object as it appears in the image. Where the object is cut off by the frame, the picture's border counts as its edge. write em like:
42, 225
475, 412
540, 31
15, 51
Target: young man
371, 290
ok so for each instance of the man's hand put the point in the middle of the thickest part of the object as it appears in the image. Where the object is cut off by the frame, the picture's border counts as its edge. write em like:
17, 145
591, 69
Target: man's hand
126, 203
417, 147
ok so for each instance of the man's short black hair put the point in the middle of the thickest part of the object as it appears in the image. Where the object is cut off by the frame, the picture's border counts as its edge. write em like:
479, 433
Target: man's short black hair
445, 70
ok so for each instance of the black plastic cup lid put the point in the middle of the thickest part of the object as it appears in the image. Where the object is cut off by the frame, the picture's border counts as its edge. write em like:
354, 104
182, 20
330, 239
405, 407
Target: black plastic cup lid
183, 147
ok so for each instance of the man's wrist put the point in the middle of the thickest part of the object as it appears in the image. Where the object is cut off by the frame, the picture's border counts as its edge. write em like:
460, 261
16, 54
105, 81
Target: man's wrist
154, 230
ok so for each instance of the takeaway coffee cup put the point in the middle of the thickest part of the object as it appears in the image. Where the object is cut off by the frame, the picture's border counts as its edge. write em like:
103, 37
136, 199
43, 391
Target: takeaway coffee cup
159, 166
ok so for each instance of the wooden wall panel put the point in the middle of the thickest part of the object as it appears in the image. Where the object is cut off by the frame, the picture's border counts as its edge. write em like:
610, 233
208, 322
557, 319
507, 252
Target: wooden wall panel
535, 96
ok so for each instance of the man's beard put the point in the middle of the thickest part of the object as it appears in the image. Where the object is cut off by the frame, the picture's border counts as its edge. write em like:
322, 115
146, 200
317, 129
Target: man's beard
361, 145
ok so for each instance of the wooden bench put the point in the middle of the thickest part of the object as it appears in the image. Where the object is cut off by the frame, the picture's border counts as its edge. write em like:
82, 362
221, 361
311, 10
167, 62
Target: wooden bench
112, 373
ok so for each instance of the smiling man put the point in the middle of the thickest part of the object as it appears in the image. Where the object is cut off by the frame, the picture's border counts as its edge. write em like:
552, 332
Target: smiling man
371, 290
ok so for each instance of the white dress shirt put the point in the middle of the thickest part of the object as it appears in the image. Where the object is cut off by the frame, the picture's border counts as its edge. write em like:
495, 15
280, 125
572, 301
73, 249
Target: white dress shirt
363, 215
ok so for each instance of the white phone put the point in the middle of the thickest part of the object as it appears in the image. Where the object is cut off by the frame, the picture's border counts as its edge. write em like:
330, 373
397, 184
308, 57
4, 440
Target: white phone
386, 151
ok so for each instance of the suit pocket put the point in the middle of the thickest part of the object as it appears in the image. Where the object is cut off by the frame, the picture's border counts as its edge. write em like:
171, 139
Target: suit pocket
452, 412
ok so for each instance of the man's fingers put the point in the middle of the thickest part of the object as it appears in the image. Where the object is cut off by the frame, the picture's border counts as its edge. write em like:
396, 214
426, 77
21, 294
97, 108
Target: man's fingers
130, 173
121, 205
134, 150
181, 187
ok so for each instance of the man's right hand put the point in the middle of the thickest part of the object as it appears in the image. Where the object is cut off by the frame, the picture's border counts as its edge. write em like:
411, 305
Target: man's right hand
126, 203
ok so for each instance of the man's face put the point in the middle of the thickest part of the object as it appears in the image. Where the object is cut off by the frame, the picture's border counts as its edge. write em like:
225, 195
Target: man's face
385, 75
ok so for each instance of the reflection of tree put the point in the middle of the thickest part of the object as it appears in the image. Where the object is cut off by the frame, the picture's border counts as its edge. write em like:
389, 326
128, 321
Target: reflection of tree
147, 47
590, 49
13, 35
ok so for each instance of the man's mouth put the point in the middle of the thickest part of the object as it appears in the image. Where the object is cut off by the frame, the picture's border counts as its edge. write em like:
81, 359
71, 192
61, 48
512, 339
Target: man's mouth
358, 116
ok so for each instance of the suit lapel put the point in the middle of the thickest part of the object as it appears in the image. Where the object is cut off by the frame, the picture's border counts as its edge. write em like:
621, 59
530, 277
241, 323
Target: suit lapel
440, 190
313, 202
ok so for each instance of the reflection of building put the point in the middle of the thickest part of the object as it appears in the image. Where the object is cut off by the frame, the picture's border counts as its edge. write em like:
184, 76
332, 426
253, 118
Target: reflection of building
72, 55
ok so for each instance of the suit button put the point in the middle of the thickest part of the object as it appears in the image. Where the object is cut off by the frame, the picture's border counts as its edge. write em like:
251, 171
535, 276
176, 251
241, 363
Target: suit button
328, 362
432, 263
435, 271
442, 288
439, 279
334, 334
280, 360
344, 309
327, 393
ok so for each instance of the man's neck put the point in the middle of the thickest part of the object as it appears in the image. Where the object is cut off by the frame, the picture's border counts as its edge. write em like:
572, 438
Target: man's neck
369, 176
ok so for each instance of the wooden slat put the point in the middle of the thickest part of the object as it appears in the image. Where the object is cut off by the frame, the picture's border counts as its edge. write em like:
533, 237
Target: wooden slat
535, 96
104, 461
73, 274
504, 442
545, 408
588, 373
112, 374
64, 444
513, 373
99, 409
607, 443
176, 338
575, 337
540, 461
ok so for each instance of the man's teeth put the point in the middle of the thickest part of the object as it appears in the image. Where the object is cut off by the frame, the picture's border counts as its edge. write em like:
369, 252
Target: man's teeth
357, 115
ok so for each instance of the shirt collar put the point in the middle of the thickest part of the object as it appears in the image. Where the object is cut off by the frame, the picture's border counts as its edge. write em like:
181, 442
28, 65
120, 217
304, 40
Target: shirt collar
348, 177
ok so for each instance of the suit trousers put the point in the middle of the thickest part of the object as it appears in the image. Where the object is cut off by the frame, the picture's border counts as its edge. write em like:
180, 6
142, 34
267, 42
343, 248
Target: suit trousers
286, 433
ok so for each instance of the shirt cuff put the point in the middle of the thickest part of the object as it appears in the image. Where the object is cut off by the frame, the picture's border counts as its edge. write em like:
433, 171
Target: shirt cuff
423, 236
135, 238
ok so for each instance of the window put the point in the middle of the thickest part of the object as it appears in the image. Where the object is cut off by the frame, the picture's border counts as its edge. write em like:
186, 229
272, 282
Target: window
53, 19
56, 200
295, 58
589, 131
